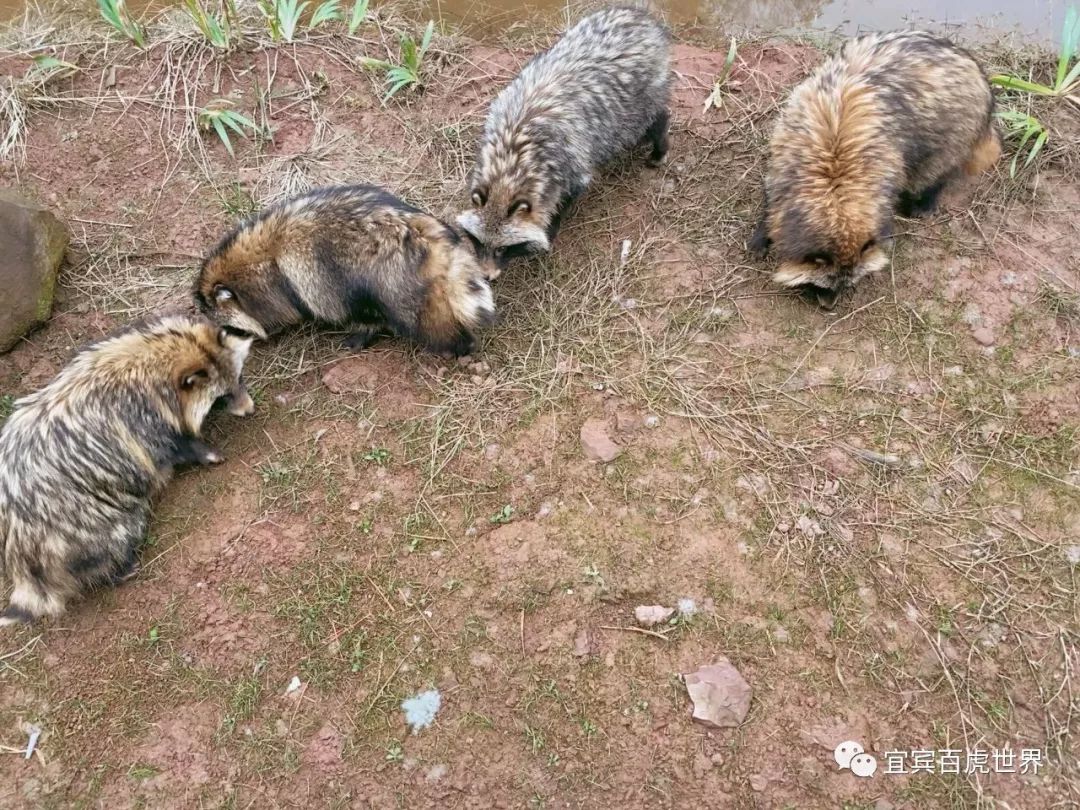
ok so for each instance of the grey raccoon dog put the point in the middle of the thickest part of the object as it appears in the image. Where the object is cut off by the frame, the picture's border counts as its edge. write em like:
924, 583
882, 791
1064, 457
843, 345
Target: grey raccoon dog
881, 126
354, 256
81, 458
599, 91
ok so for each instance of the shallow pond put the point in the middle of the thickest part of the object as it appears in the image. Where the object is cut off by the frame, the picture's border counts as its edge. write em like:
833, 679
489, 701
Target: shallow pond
1038, 20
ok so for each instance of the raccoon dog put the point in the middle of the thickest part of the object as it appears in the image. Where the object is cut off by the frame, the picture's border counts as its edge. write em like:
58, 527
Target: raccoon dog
81, 458
877, 128
348, 256
600, 90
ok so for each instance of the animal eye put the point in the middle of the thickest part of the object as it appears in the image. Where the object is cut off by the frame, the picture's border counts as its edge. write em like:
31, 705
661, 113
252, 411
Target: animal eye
479, 198
820, 258
521, 205
869, 244
222, 293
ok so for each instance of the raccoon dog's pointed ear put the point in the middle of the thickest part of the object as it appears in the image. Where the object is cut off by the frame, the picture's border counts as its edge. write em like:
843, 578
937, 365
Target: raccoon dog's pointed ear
193, 377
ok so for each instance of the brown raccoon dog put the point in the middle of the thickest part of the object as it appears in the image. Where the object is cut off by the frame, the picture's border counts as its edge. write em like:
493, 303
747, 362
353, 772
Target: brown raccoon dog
880, 127
348, 256
599, 91
81, 459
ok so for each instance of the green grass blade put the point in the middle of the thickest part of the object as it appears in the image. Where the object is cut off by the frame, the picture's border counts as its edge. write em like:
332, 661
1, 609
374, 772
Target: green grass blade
408, 51
237, 121
1018, 120
1070, 41
1026, 137
359, 14
429, 32
111, 14
215, 33
1037, 147
395, 89
288, 13
1073, 76
729, 61
46, 62
222, 133
325, 12
1014, 83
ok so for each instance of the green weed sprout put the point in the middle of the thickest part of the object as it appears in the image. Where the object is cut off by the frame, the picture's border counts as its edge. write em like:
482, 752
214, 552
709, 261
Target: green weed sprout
216, 29
715, 98
282, 17
407, 73
357, 17
1066, 81
326, 12
116, 14
1024, 127
219, 116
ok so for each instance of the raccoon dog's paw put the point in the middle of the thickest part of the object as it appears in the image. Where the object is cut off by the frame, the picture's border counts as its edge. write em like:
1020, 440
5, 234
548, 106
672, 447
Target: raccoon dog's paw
759, 241
205, 454
192, 450
129, 572
363, 338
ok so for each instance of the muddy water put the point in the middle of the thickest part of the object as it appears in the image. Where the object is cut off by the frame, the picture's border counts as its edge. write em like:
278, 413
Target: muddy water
1034, 20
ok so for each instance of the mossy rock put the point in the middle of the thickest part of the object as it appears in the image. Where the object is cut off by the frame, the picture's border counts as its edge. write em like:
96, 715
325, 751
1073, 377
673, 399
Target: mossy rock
34, 241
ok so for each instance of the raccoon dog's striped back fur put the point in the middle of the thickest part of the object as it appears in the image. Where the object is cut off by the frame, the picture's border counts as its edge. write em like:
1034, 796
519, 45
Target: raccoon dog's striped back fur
81, 458
880, 126
348, 255
600, 90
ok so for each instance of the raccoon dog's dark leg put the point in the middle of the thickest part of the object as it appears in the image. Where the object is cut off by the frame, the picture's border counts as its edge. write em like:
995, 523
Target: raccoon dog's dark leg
556, 221
364, 336
657, 136
128, 569
915, 205
759, 239
193, 450
565, 204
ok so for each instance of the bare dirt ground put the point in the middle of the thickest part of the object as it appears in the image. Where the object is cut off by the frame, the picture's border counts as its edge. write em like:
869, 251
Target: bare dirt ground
874, 510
